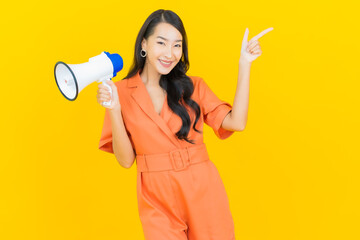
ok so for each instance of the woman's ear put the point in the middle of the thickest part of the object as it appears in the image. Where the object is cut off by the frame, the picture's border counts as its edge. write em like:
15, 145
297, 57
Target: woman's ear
143, 44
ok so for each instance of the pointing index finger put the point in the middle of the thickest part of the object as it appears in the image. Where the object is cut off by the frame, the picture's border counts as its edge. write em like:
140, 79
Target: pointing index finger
261, 34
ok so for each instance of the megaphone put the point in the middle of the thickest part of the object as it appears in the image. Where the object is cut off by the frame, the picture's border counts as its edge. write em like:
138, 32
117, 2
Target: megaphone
72, 78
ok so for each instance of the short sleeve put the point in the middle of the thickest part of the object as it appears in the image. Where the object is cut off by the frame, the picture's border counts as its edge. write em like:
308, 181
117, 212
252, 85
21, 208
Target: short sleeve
214, 110
105, 143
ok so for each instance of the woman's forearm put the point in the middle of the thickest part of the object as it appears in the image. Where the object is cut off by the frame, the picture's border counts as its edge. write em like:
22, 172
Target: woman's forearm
250, 50
122, 147
240, 107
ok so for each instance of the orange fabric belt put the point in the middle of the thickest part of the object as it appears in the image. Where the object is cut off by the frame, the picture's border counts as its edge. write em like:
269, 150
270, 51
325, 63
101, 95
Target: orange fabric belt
176, 160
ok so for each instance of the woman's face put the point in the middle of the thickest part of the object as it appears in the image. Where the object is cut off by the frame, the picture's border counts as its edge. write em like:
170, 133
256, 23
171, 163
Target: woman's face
164, 48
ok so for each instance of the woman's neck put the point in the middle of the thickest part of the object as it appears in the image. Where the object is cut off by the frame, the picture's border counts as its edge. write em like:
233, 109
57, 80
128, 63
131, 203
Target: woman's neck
149, 76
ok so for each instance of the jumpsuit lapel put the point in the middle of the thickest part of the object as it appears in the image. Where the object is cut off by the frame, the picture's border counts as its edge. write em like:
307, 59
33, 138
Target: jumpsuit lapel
166, 112
142, 98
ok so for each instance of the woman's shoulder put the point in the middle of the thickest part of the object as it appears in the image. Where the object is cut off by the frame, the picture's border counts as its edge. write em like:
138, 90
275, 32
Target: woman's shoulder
123, 83
198, 83
196, 79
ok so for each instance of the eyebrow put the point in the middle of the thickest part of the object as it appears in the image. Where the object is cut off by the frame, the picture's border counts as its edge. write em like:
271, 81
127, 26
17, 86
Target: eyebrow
167, 39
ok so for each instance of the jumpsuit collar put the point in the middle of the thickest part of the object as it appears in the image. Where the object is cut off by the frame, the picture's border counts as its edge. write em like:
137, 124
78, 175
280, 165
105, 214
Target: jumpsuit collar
143, 99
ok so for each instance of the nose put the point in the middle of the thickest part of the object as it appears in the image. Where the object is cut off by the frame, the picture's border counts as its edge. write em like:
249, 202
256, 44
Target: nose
168, 52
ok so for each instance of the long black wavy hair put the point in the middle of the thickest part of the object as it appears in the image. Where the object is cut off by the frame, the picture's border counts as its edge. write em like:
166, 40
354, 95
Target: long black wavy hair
178, 85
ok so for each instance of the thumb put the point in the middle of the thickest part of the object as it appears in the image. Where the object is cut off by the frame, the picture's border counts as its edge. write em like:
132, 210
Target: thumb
245, 40
111, 84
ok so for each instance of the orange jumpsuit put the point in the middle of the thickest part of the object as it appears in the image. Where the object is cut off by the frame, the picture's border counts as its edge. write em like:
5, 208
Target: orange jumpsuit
179, 190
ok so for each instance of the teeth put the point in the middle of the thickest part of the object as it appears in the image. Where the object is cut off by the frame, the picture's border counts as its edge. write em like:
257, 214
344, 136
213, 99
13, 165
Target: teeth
165, 63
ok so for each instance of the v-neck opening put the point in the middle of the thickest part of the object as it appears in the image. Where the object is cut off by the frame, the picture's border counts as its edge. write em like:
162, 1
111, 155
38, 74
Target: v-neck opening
153, 107
163, 106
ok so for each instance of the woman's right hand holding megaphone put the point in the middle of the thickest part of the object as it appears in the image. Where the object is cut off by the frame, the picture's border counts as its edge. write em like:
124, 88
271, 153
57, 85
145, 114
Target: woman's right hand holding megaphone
103, 95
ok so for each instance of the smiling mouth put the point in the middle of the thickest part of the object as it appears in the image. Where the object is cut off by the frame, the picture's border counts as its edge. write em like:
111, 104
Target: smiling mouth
165, 61
165, 64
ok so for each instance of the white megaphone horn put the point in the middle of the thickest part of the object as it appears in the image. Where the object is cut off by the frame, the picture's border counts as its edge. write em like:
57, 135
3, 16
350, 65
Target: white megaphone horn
72, 78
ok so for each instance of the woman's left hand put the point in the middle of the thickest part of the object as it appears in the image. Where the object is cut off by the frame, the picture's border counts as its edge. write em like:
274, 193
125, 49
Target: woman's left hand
251, 50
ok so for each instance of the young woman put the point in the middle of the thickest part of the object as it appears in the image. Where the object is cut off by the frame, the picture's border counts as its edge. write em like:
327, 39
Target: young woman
156, 116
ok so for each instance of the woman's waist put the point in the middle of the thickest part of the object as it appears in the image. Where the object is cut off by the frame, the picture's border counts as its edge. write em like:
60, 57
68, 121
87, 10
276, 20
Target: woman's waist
177, 159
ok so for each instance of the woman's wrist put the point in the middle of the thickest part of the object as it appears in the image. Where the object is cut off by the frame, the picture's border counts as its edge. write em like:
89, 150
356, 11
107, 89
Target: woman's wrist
244, 62
115, 110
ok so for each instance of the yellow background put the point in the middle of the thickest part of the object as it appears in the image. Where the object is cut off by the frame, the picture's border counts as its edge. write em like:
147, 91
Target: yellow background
292, 174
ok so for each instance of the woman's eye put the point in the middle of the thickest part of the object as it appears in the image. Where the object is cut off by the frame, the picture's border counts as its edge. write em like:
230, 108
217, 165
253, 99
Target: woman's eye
161, 43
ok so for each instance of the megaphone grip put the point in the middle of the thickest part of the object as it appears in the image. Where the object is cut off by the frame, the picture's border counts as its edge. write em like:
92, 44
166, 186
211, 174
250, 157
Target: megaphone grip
110, 90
